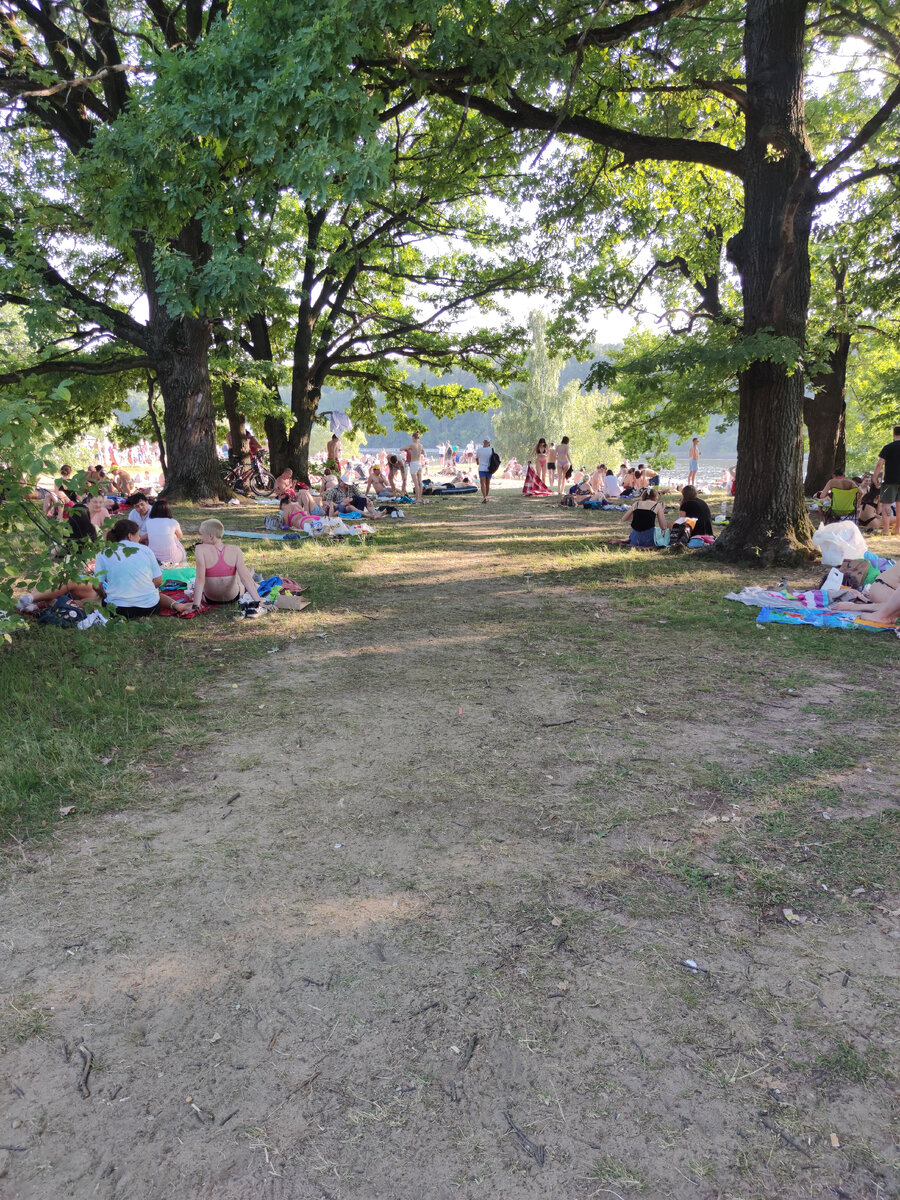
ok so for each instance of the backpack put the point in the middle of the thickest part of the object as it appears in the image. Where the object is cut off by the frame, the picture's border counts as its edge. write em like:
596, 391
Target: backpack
494, 464
272, 522
682, 531
62, 613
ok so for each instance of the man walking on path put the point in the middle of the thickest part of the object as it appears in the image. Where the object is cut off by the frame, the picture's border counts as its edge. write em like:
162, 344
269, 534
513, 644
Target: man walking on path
484, 454
887, 477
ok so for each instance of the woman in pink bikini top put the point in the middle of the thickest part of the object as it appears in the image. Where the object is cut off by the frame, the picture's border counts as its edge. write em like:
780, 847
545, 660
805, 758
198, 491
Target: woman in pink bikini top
222, 573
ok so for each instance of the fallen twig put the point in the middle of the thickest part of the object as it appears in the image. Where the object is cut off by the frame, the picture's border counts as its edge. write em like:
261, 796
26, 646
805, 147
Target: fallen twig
553, 724
225, 1120
785, 1138
536, 1152
88, 1059
468, 1052
275, 1036
231, 799
418, 1012
14, 1149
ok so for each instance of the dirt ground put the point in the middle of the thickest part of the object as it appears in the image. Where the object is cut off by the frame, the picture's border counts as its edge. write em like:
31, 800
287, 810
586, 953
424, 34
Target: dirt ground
420, 929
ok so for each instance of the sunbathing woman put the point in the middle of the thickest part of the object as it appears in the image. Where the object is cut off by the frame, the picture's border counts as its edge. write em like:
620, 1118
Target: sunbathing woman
298, 513
222, 574
643, 516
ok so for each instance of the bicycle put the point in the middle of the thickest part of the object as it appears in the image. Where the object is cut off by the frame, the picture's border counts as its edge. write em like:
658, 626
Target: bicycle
253, 475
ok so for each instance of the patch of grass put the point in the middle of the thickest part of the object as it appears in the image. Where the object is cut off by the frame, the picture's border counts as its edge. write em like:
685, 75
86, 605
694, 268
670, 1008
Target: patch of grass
22, 1018
843, 1061
607, 1170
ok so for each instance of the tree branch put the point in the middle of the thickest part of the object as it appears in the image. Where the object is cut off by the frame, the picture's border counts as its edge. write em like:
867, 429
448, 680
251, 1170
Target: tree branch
634, 147
614, 34
65, 366
887, 170
865, 135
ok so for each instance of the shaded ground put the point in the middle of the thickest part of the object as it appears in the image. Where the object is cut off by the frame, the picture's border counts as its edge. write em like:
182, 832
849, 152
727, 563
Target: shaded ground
408, 916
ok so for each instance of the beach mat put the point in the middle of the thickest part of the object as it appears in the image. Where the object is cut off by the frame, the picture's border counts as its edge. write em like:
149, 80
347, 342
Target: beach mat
267, 536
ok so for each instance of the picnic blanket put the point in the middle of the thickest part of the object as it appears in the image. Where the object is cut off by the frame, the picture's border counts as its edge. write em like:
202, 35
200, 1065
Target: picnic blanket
269, 535
182, 597
772, 598
823, 620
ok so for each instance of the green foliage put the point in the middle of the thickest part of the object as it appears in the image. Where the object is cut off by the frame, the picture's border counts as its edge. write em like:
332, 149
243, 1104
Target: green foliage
673, 385
540, 407
26, 538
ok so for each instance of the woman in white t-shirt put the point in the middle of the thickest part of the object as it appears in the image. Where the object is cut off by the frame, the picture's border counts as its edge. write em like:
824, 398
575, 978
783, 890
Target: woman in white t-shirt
611, 487
130, 575
163, 534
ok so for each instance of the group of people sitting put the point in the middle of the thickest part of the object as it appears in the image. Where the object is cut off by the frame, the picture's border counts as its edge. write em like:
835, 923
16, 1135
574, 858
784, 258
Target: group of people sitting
126, 574
856, 497
649, 513
58, 496
602, 485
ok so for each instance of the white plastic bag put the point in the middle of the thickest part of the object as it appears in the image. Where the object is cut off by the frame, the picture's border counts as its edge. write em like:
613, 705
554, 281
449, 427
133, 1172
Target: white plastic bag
839, 541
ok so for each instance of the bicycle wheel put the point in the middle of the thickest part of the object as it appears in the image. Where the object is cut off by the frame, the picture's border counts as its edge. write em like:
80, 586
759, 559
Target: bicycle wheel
262, 482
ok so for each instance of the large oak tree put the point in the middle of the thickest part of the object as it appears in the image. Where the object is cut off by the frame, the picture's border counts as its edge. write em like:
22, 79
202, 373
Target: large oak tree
714, 83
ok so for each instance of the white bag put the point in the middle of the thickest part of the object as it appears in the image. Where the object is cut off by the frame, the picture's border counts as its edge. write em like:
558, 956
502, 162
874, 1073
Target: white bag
839, 541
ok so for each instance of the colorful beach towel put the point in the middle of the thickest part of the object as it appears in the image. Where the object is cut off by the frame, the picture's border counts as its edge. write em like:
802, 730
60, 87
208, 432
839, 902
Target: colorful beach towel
823, 620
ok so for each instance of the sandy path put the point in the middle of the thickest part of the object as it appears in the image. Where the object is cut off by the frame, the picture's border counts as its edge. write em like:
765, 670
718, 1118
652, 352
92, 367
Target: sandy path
401, 940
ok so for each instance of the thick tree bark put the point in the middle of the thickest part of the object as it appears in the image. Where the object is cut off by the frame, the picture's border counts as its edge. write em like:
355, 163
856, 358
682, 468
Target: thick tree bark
771, 253
290, 447
824, 416
179, 348
160, 440
190, 421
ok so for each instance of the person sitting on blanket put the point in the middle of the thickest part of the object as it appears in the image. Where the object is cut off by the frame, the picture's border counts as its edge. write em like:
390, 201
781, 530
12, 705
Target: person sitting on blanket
351, 500
222, 574
693, 506
643, 516
378, 480
612, 489
129, 575
163, 534
629, 482
867, 504
284, 483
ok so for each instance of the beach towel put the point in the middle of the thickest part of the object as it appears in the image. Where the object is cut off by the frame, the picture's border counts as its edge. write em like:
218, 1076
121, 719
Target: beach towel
823, 620
533, 486
182, 597
276, 537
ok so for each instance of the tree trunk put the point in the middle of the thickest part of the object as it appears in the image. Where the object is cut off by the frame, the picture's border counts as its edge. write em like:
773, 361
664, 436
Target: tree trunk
236, 419
190, 422
771, 253
160, 441
824, 417
290, 448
